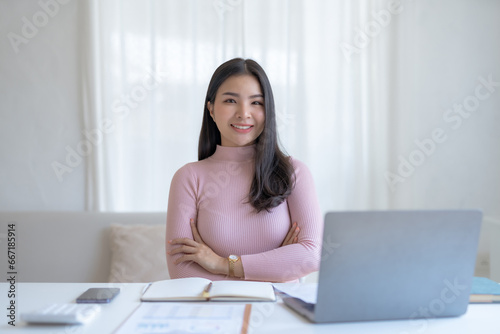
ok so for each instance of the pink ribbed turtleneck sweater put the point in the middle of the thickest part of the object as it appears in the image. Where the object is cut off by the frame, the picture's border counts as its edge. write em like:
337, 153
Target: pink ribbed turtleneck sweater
214, 192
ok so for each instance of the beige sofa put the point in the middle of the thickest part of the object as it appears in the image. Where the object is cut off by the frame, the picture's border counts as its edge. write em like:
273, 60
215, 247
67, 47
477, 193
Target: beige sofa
84, 246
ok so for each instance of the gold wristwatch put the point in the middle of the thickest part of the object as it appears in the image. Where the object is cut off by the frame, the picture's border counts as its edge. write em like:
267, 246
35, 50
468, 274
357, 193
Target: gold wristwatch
232, 260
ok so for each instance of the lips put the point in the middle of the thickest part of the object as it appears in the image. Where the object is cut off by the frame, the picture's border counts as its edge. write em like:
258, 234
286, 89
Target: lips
242, 128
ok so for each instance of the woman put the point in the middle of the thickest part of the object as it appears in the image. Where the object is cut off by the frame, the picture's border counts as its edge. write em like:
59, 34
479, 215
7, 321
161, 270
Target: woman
230, 214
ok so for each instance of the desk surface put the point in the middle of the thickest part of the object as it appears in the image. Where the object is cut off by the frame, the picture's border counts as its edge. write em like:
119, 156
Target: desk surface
265, 318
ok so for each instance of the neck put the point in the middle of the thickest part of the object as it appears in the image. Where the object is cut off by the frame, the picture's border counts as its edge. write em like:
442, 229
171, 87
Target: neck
236, 154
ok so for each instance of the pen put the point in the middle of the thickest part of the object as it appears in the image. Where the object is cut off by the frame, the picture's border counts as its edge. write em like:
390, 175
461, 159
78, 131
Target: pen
145, 288
206, 292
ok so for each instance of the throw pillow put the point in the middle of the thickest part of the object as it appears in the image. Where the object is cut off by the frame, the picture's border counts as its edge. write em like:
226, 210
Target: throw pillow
137, 253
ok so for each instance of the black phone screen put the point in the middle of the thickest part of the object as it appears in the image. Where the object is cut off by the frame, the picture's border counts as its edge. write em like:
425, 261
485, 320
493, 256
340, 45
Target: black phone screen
98, 295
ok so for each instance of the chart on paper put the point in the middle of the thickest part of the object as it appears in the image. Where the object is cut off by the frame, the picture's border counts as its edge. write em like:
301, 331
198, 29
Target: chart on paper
185, 318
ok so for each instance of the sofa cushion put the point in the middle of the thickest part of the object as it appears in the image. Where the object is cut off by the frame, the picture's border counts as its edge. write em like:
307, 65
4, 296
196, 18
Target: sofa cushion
137, 253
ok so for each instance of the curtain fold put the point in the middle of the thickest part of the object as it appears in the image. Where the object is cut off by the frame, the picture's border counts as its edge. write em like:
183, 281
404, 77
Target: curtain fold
94, 121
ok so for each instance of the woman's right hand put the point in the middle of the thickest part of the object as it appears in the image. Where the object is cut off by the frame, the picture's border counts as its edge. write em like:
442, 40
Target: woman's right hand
292, 235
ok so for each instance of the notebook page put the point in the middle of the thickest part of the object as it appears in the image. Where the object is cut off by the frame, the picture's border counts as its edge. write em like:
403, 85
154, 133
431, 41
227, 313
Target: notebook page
243, 289
191, 287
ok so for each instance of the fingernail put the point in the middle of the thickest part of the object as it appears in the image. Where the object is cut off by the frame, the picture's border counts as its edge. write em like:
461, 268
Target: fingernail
191, 220
170, 241
297, 228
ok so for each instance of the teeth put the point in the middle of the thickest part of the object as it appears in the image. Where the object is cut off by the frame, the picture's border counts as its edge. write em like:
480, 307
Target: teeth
242, 127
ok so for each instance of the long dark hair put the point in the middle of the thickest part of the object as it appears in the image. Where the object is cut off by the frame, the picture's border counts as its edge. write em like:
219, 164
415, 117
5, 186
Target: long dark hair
273, 179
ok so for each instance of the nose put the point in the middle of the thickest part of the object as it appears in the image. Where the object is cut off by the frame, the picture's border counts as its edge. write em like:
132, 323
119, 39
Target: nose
243, 111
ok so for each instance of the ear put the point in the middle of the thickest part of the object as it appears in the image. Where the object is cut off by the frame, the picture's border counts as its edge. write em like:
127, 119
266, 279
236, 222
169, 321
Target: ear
210, 108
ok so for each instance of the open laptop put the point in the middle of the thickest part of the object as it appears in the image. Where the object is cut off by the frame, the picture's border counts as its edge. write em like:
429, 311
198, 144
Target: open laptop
382, 265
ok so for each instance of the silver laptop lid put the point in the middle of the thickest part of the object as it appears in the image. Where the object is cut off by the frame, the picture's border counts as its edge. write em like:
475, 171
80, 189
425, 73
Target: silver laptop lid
379, 265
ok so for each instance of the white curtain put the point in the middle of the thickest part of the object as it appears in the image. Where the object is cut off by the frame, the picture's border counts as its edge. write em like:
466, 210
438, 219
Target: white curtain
356, 83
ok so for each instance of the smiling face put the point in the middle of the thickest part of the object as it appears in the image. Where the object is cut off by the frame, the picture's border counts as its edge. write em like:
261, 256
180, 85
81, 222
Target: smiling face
238, 110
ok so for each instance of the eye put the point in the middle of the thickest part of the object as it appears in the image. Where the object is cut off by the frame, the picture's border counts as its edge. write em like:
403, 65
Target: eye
230, 101
257, 103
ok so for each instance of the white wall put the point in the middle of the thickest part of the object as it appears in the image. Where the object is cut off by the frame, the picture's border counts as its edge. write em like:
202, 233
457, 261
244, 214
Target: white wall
39, 105
457, 44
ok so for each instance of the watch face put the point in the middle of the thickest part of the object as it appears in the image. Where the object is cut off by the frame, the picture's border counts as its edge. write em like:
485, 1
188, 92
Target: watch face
233, 257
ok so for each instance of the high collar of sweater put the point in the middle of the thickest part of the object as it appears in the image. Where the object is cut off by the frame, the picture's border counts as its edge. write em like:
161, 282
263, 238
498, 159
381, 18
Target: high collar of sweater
235, 154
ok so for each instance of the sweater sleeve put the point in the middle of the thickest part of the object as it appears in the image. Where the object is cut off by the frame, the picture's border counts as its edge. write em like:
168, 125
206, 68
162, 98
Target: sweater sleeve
296, 260
182, 206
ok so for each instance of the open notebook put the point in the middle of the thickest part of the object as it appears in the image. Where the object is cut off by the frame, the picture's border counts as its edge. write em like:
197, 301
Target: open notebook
195, 289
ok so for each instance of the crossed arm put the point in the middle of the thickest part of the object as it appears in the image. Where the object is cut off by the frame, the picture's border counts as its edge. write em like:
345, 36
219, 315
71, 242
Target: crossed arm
197, 251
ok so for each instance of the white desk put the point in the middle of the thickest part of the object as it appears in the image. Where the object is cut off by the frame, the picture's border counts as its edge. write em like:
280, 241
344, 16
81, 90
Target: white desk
265, 318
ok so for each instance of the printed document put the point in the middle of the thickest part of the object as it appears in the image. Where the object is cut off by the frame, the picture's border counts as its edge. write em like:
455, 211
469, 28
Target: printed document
187, 318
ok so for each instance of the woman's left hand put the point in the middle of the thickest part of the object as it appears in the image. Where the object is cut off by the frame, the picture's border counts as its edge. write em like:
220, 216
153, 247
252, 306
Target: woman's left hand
196, 250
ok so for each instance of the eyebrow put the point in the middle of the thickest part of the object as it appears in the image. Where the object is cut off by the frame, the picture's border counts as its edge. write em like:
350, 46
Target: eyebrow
238, 95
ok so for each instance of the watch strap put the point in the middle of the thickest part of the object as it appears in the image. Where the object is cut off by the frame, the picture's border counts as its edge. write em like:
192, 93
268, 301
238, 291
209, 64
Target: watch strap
231, 264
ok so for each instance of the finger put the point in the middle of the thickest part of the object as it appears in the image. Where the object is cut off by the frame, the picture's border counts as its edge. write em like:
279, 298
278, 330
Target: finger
183, 241
289, 234
196, 234
295, 233
184, 258
183, 249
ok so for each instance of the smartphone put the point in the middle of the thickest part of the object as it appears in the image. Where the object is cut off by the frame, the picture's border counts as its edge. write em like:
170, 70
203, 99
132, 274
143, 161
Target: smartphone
98, 295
